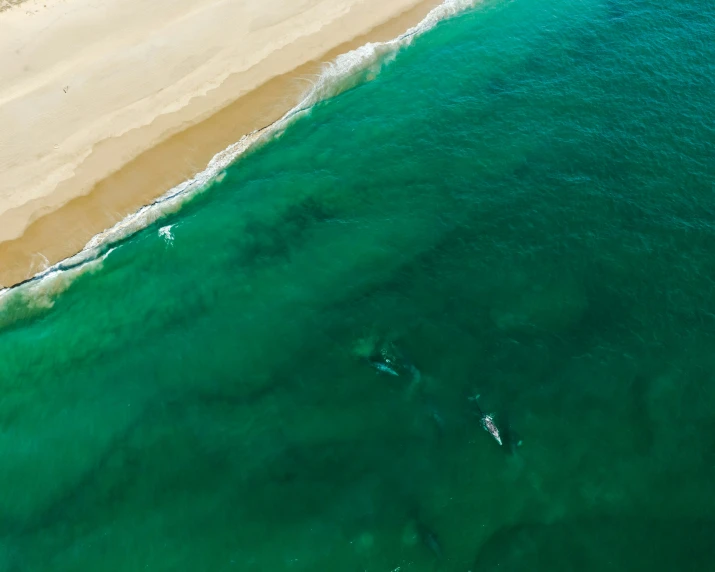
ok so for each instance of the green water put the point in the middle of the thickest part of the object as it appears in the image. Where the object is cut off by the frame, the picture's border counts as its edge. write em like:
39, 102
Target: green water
520, 205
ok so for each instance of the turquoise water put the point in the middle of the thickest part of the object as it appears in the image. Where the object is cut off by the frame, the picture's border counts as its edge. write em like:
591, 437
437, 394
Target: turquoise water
519, 205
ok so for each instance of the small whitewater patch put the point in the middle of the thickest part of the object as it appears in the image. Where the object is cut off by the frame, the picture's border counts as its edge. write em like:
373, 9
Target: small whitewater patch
165, 233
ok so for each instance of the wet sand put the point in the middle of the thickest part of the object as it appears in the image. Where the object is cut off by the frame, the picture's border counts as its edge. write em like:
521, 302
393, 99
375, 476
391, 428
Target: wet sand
123, 172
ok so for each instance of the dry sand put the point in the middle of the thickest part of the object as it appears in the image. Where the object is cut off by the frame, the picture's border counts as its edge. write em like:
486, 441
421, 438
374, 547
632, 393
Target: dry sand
106, 104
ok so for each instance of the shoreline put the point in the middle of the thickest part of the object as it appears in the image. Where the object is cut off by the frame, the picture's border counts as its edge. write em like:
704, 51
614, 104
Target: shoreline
55, 234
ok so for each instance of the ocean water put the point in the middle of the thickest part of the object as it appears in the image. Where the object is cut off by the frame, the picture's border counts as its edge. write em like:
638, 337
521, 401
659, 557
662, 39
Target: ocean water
282, 373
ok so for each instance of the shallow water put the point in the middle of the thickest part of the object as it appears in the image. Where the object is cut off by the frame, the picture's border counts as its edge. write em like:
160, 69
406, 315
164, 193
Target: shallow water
519, 205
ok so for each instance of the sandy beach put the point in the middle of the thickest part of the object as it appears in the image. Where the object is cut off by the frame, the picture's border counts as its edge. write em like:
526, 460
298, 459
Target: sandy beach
105, 105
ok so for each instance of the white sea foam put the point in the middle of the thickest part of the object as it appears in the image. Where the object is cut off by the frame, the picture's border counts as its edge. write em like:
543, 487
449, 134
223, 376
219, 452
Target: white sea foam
334, 78
36, 296
42, 293
165, 233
